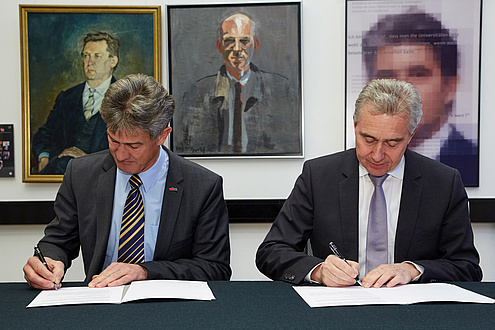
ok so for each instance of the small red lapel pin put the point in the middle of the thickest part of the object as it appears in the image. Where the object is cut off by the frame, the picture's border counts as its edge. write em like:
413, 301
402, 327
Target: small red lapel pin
173, 189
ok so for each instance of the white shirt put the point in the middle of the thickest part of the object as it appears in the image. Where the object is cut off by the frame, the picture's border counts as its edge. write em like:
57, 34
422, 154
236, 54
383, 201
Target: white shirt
431, 147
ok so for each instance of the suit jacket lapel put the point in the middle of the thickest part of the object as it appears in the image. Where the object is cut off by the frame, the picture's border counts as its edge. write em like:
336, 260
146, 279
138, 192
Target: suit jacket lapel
170, 206
349, 204
409, 206
104, 199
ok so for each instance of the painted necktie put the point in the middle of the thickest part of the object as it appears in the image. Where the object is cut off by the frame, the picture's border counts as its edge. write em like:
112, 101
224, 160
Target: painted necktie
90, 104
237, 118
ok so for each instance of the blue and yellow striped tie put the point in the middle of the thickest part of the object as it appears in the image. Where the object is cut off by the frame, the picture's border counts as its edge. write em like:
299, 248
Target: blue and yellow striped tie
131, 242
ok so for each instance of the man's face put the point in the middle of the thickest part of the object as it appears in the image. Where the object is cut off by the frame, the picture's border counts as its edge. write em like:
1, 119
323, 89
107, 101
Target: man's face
381, 141
98, 64
135, 153
416, 65
238, 45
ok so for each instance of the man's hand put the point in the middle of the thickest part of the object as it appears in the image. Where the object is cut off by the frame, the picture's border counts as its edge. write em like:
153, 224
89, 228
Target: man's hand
39, 277
42, 163
393, 275
118, 273
336, 272
74, 152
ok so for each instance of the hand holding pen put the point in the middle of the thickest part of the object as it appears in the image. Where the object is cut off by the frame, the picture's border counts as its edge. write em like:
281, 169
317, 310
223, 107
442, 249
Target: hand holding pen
39, 255
336, 252
335, 273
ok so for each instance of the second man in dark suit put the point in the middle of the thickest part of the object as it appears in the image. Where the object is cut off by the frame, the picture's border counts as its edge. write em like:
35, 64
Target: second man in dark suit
426, 233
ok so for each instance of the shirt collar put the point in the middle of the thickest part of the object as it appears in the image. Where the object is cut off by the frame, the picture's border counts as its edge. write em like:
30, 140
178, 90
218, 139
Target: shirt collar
244, 79
149, 176
102, 88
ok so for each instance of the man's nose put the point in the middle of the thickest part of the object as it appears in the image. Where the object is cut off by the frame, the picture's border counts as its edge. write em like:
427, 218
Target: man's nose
377, 152
237, 45
91, 59
121, 153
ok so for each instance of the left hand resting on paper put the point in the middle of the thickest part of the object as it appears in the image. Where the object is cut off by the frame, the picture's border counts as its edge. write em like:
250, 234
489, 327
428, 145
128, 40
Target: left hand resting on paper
118, 273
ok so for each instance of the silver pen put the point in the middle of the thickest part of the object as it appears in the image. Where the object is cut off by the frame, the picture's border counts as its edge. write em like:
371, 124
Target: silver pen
336, 251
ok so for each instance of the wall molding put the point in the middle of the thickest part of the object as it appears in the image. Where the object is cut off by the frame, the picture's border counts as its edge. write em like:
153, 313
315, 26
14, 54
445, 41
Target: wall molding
240, 211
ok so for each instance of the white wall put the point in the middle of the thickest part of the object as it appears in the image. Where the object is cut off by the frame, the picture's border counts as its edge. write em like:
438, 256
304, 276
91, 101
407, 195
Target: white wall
323, 83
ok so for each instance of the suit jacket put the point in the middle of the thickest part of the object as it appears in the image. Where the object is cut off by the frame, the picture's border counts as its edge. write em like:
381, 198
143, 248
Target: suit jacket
433, 228
193, 235
270, 111
462, 154
62, 127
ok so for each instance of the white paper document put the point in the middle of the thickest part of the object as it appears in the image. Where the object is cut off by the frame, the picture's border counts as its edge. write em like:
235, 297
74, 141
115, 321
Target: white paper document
319, 296
164, 289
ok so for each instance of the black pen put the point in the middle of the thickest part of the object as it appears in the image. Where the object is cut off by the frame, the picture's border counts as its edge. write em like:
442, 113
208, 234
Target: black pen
336, 251
37, 252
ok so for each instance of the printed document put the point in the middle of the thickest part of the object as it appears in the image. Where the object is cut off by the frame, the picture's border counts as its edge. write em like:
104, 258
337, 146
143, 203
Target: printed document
320, 296
152, 289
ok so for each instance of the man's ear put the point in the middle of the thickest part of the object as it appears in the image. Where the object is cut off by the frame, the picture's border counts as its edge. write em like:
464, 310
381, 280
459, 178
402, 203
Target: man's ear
164, 134
411, 136
256, 45
449, 86
219, 46
114, 61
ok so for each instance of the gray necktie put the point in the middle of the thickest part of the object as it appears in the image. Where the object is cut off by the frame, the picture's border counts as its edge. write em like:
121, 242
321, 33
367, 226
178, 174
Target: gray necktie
90, 104
377, 237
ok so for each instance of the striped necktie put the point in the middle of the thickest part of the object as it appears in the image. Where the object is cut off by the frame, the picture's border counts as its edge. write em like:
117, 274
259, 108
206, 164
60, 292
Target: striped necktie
90, 104
131, 242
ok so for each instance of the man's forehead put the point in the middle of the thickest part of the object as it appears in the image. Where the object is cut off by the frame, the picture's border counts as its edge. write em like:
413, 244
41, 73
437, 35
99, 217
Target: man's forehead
96, 45
237, 24
405, 54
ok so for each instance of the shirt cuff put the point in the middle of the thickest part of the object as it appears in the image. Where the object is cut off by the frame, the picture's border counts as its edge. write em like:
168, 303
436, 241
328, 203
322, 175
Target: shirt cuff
43, 154
420, 269
308, 277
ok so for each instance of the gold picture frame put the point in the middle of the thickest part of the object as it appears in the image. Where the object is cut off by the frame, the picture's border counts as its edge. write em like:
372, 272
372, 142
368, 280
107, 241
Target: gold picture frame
52, 40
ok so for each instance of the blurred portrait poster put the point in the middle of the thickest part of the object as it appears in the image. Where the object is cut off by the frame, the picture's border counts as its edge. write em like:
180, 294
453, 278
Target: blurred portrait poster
435, 46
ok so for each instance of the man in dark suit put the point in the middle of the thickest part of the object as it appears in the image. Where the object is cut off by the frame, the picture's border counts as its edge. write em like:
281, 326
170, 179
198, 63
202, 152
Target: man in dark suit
240, 109
185, 232
426, 233
74, 127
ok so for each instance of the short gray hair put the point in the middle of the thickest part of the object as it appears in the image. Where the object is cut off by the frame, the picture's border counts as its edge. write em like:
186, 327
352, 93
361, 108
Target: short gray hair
137, 101
390, 97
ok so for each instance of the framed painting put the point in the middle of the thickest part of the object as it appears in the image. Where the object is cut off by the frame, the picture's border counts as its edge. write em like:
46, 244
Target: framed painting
69, 57
235, 73
435, 46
